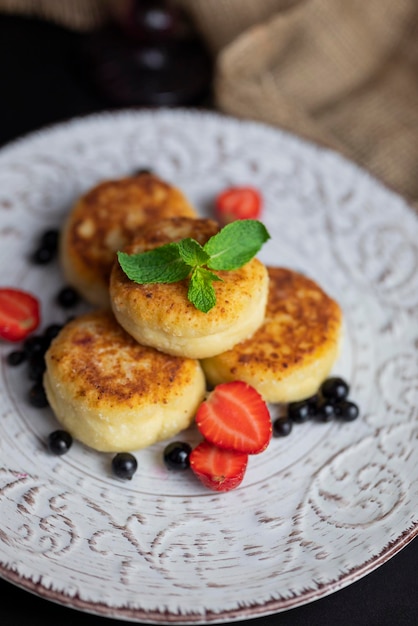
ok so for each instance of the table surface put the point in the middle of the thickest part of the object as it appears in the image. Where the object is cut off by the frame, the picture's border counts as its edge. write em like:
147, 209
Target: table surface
42, 82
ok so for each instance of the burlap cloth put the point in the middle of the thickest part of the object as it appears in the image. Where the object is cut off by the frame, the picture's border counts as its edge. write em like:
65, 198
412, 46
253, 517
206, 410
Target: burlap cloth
343, 73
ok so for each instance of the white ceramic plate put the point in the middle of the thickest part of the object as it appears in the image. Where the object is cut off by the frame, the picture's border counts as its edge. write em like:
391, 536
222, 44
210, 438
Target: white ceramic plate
318, 509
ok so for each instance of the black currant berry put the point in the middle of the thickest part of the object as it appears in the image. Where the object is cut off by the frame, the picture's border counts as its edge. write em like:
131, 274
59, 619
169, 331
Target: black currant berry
282, 427
59, 442
313, 403
37, 396
43, 256
143, 171
326, 411
16, 357
176, 455
68, 297
299, 412
347, 411
335, 389
49, 239
36, 367
51, 332
35, 345
124, 465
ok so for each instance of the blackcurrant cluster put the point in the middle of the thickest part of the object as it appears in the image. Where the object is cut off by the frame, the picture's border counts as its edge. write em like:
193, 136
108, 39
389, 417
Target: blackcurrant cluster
47, 247
67, 298
45, 252
331, 402
35, 346
32, 352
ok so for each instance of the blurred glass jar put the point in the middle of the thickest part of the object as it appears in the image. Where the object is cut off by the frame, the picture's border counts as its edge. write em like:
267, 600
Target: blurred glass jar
149, 54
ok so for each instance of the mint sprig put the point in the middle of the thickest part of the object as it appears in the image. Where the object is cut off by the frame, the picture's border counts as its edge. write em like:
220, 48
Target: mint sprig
160, 265
231, 248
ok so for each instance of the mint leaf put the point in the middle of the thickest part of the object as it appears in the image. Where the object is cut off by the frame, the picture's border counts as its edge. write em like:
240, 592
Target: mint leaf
232, 247
236, 244
161, 265
201, 292
192, 252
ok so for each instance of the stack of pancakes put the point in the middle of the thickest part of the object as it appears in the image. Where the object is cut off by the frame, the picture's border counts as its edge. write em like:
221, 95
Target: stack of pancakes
134, 370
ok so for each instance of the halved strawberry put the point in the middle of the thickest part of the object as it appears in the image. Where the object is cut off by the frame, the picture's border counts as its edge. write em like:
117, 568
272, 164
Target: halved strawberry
235, 417
19, 314
217, 469
238, 203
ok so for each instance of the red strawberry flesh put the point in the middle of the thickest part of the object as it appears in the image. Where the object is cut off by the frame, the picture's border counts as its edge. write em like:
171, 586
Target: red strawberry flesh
237, 203
217, 469
19, 314
235, 417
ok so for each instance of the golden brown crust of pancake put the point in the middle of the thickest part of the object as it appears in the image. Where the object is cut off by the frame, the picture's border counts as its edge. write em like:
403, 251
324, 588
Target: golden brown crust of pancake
100, 380
161, 314
105, 219
172, 228
290, 354
103, 363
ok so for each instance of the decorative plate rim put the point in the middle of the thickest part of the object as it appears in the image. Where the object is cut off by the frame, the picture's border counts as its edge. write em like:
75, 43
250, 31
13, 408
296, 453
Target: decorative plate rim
250, 610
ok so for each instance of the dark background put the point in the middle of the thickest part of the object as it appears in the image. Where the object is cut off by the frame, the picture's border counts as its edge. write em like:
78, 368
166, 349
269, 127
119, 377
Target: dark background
43, 80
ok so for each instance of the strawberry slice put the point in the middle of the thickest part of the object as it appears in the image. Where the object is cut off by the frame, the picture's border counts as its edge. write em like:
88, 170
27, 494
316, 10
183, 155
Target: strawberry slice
238, 203
217, 469
19, 314
235, 417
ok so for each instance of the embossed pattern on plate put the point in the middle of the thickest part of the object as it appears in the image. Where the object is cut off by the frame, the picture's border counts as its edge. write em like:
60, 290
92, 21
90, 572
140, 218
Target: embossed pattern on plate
317, 510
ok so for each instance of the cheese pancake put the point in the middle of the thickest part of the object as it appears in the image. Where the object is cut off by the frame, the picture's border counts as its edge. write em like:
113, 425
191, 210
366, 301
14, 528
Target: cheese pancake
161, 316
113, 394
104, 220
294, 350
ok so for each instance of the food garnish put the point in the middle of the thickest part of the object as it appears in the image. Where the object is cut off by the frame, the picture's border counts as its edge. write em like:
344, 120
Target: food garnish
218, 469
19, 314
238, 203
124, 465
347, 411
47, 247
68, 297
37, 396
331, 402
299, 412
335, 389
231, 248
235, 417
282, 427
59, 442
177, 455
